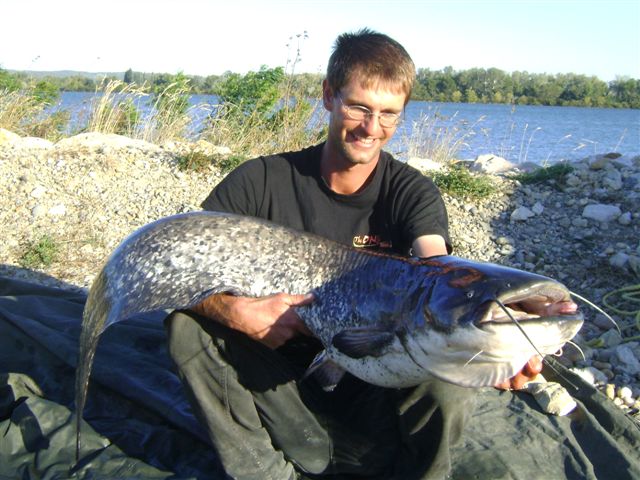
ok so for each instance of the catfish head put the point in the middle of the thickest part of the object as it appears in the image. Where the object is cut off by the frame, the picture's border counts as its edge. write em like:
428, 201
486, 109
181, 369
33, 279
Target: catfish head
477, 324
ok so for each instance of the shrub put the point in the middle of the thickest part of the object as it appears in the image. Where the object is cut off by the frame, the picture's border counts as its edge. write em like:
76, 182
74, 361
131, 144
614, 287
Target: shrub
40, 253
264, 112
254, 92
459, 182
554, 172
196, 161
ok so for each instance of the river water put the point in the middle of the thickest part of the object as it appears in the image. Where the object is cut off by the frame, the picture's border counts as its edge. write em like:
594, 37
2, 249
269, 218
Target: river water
518, 133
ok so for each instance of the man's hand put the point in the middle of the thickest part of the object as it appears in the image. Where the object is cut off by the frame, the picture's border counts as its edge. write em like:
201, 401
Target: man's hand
270, 320
528, 373
534, 365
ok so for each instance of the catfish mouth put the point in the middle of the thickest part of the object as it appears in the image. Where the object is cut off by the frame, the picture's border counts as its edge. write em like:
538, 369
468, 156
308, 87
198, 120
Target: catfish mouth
547, 301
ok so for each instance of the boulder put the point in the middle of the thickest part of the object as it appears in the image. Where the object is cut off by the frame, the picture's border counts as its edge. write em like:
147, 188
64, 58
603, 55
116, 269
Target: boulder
601, 212
424, 164
491, 164
521, 214
35, 142
105, 140
7, 137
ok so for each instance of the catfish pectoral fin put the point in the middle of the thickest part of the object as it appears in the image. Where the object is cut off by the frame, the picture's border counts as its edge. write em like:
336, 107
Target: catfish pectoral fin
326, 372
362, 342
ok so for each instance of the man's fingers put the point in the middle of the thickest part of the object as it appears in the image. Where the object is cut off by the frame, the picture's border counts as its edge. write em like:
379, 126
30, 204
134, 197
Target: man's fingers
533, 366
300, 300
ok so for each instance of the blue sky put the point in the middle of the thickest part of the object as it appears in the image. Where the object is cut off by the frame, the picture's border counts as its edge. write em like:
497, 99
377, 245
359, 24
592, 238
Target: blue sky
203, 37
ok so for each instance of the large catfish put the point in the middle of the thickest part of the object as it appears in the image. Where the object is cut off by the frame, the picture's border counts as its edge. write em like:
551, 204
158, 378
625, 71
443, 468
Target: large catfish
389, 320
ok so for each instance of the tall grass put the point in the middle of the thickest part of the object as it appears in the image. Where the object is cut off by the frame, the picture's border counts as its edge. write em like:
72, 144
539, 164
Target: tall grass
439, 138
297, 123
23, 113
169, 118
117, 109
114, 108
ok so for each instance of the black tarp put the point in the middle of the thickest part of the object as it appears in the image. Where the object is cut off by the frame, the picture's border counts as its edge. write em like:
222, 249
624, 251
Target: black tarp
139, 423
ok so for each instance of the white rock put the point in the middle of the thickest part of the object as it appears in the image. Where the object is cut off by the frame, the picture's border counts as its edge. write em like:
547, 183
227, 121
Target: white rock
552, 397
491, 164
521, 214
38, 192
8, 137
624, 392
611, 338
627, 359
591, 375
580, 222
37, 211
612, 180
625, 219
424, 164
538, 208
35, 142
58, 210
105, 140
601, 212
619, 260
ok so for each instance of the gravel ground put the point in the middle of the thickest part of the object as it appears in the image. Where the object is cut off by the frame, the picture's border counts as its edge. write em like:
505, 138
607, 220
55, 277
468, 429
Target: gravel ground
86, 193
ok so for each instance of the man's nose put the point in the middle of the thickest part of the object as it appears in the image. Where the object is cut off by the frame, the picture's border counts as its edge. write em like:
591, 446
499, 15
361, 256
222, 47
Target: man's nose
371, 124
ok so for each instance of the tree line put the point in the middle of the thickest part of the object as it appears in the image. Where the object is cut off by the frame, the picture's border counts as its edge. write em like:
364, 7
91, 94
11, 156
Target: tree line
479, 85
476, 85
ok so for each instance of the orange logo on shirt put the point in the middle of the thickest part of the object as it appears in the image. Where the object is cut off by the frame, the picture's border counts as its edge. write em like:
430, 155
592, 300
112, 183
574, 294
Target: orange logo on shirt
370, 241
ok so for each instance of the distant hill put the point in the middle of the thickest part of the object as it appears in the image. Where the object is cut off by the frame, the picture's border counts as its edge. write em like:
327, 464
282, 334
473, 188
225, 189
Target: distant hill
69, 73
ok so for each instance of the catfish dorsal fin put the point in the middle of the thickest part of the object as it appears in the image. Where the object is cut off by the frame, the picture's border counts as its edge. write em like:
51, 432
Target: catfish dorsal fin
326, 372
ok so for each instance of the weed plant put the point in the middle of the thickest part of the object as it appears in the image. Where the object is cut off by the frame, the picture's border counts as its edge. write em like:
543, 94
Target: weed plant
40, 253
555, 172
458, 181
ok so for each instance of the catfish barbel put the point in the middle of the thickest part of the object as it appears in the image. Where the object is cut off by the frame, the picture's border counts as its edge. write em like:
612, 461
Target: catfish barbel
391, 321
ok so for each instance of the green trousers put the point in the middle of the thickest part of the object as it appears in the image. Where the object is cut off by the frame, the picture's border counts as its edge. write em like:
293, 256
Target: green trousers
267, 422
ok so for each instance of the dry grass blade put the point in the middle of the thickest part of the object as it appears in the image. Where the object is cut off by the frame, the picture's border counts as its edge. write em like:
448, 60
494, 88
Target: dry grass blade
17, 110
439, 138
113, 108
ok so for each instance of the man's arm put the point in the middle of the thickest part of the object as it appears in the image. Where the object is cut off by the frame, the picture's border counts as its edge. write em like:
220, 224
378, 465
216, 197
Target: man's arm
270, 320
429, 246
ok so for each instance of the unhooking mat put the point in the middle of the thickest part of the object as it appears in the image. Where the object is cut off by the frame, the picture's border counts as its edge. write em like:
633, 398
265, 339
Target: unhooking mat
138, 423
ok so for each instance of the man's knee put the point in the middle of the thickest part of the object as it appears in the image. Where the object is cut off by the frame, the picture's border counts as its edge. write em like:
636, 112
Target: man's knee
184, 336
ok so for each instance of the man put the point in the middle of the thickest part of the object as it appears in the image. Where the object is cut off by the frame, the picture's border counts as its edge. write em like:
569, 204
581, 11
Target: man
242, 359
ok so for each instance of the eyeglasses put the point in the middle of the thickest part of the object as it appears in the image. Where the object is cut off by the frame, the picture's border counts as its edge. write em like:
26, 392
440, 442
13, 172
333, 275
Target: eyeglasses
360, 113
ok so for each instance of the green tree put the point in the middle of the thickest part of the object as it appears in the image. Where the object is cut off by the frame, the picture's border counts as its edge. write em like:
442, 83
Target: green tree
128, 76
9, 82
46, 92
256, 91
625, 92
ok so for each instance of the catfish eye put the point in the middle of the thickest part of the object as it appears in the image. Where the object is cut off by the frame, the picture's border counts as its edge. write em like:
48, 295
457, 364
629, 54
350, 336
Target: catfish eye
470, 294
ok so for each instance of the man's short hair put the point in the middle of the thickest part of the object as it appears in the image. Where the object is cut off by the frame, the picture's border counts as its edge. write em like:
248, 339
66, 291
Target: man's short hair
375, 58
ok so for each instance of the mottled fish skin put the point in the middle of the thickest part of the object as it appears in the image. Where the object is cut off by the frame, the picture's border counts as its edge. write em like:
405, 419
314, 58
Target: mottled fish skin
389, 320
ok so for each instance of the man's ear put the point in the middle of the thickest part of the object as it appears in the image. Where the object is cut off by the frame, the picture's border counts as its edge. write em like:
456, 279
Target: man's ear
327, 95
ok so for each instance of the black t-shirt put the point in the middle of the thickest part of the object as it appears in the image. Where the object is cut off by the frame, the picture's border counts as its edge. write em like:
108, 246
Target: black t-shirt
397, 206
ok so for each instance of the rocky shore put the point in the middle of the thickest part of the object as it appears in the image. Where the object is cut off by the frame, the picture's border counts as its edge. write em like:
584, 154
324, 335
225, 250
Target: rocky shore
84, 194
